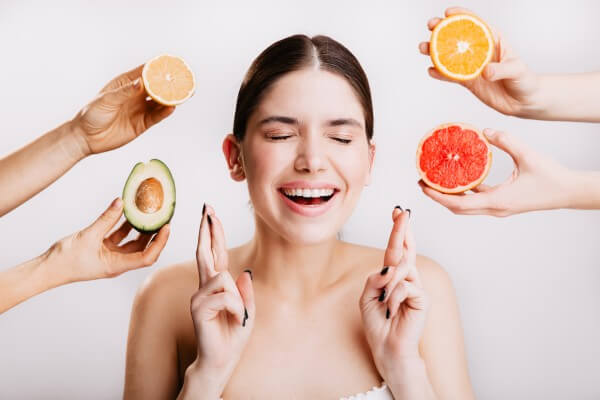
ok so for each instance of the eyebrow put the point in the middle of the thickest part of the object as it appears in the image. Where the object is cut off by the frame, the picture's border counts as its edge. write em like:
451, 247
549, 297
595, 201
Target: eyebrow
294, 121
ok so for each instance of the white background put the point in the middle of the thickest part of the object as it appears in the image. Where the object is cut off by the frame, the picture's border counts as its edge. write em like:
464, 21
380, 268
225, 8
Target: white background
528, 285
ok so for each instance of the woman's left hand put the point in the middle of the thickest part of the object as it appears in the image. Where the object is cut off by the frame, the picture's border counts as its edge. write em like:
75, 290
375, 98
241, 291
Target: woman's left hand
393, 304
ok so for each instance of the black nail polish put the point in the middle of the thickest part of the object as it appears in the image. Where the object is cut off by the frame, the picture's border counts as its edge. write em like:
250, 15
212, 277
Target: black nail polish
245, 317
209, 220
382, 295
387, 314
400, 208
408, 209
249, 272
203, 208
384, 270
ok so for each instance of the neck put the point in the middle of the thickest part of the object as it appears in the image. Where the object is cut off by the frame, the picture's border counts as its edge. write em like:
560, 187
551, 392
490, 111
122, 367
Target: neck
294, 272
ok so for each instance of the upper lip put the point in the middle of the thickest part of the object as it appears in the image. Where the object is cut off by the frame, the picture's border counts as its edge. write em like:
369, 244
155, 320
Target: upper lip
308, 185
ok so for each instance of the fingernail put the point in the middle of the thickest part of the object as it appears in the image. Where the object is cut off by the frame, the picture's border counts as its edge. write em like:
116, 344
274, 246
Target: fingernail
250, 273
136, 83
387, 314
384, 270
382, 295
400, 208
117, 202
245, 317
203, 208
408, 210
209, 220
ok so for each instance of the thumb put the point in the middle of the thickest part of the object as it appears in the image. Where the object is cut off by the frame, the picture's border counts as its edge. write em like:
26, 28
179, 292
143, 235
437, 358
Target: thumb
508, 143
122, 94
508, 69
108, 219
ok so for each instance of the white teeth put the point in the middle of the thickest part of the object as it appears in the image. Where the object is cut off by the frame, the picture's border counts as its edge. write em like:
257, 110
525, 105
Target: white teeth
308, 193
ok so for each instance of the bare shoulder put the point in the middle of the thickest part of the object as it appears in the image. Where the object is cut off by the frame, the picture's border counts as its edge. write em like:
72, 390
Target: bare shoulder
433, 276
166, 291
371, 258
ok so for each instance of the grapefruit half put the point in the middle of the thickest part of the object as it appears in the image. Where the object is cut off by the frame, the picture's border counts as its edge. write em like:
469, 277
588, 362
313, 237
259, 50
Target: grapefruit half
453, 158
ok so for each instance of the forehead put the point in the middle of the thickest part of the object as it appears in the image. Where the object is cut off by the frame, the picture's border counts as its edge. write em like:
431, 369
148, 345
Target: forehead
311, 94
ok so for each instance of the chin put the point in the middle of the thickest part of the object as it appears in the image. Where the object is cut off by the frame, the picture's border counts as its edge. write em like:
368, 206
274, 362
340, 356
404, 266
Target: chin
309, 235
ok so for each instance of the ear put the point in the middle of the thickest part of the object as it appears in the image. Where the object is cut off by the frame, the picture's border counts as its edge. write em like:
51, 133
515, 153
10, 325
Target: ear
233, 156
372, 149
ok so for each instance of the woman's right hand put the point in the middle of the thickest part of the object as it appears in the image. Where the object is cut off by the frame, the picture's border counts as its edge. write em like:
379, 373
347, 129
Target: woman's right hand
222, 311
506, 84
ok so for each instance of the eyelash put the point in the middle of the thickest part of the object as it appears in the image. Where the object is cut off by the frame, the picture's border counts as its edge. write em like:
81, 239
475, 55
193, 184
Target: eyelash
341, 140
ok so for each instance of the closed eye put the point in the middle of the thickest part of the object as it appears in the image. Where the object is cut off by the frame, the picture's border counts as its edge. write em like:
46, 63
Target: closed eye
283, 137
342, 140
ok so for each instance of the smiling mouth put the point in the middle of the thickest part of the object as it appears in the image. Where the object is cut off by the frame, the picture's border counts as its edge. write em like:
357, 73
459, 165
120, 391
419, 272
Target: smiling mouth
309, 197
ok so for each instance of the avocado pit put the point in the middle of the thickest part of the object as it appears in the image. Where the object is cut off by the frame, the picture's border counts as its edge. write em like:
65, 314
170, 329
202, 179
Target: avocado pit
149, 196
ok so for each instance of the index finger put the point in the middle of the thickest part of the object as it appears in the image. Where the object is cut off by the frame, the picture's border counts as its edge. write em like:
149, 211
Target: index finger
124, 79
395, 247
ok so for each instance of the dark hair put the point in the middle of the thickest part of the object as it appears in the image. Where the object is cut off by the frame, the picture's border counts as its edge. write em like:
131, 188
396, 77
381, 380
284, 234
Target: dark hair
294, 53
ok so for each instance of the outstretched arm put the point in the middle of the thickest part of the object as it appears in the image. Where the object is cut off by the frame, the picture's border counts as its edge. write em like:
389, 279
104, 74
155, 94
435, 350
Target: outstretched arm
115, 117
85, 255
510, 87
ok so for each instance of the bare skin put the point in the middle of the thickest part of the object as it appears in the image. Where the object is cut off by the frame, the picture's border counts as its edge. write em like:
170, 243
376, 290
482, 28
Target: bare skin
291, 336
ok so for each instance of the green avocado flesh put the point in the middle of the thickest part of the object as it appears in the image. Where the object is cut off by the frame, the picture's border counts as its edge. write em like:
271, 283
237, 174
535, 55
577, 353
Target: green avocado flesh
149, 196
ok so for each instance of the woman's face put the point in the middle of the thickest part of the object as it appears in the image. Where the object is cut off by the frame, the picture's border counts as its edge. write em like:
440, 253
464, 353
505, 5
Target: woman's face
306, 155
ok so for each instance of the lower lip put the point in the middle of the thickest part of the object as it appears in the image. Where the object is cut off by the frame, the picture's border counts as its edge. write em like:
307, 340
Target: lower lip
312, 210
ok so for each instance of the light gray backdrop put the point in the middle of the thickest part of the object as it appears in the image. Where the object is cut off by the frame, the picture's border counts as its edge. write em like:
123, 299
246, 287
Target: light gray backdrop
528, 286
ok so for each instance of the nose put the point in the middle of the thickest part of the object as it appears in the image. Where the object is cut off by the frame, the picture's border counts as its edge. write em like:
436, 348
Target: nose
310, 157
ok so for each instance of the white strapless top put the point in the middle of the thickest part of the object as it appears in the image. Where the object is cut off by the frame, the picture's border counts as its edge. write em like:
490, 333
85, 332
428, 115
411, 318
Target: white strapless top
377, 393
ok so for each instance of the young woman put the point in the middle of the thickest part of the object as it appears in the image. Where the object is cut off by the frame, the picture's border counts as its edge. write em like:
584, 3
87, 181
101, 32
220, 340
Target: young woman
296, 312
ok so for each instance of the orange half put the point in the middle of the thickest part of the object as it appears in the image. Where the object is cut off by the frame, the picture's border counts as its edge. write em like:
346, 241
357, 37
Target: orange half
461, 46
168, 79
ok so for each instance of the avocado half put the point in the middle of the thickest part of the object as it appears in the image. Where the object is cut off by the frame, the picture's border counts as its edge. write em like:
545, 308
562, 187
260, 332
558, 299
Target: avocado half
149, 196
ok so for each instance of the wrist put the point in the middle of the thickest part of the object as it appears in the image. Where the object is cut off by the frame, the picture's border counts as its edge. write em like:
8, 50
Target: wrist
200, 384
535, 106
408, 379
74, 140
584, 190
53, 267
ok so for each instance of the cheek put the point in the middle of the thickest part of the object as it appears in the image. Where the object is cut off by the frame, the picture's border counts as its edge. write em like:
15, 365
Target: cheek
264, 161
354, 166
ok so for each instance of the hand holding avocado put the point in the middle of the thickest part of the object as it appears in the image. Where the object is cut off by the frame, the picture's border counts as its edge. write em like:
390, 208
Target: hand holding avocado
93, 254
88, 254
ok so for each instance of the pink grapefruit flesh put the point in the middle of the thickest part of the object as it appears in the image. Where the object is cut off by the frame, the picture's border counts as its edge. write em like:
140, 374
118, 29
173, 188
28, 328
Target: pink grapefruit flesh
454, 158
